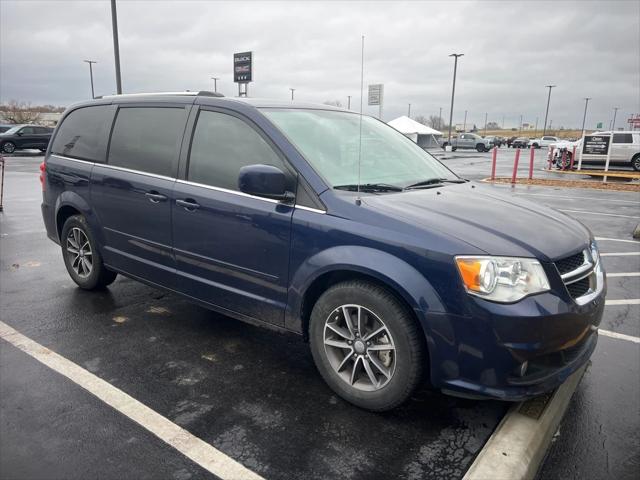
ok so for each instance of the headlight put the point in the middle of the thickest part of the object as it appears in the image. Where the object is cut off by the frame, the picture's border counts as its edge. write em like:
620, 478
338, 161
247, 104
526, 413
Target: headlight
502, 279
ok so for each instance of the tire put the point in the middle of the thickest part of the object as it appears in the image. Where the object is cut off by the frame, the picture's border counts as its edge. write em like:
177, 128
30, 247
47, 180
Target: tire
8, 147
86, 267
453, 149
535, 145
444, 145
404, 364
635, 162
480, 148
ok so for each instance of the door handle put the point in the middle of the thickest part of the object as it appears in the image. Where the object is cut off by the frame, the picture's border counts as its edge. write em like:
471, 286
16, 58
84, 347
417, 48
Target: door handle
188, 204
155, 197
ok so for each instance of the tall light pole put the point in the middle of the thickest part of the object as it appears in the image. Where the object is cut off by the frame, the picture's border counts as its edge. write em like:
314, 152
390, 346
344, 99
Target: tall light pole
453, 91
464, 125
409, 112
91, 62
615, 113
440, 119
215, 83
544, 130
584, 117
292, 90
348, 102
521, 125
535, 132
485, 124
116, 46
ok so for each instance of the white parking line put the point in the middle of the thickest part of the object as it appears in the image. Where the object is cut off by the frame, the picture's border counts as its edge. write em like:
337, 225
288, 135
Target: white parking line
598, 213
623, 274
189, 445
637, 202
628, 301
620, 254
601, 239
619, 336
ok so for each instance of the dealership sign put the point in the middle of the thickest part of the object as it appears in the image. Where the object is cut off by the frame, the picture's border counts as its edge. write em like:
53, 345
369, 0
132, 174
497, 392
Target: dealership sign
596, 144
243, 67
376, 92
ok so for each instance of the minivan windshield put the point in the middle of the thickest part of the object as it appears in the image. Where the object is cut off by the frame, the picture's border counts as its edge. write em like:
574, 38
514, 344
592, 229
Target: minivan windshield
330, 141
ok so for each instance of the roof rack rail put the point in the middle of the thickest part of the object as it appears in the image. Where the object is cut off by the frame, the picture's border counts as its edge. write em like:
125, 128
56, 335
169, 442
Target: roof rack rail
202, 93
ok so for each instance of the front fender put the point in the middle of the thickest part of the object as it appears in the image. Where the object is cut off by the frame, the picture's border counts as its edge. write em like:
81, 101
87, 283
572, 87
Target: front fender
397, 274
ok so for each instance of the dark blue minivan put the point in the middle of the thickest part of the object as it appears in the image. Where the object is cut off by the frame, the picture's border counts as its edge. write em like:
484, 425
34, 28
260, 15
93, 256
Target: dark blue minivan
333, 225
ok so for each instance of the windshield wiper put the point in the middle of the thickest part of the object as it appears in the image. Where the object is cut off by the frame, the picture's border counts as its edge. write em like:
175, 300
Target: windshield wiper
434, 182
370, 187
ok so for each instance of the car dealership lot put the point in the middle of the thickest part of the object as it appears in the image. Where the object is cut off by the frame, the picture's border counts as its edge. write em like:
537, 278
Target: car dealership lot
254, 394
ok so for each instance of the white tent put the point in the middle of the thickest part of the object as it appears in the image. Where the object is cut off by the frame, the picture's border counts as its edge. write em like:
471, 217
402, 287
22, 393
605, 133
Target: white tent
424, 136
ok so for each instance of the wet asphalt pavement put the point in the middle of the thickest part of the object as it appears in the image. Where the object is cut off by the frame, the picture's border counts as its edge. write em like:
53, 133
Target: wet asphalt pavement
253, 393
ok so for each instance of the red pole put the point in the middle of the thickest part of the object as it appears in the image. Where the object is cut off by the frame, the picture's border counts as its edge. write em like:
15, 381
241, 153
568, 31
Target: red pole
564, 158
550, 157
573, 156
493, 163
515, 166
531, 157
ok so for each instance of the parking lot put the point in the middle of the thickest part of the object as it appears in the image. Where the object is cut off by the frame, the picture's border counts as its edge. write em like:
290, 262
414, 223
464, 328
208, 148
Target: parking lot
255, 395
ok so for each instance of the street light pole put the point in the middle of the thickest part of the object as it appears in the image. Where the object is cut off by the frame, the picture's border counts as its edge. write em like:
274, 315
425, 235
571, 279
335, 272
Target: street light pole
464, 125
91, 62
453, 91
348, 102
521, 125
440, 119
485, 124
584, 117
615, 113
215, 83
116, 46
409, 112
292, 90
544, 130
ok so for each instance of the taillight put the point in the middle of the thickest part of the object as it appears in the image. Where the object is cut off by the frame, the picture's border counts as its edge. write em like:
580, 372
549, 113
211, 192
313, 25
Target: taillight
42, 169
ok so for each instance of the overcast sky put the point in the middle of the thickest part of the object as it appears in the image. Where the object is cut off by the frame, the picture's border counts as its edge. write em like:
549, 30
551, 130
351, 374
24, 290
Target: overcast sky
512, 49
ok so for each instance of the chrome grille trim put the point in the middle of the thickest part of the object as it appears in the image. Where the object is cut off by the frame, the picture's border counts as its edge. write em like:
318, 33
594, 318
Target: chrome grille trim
590, 269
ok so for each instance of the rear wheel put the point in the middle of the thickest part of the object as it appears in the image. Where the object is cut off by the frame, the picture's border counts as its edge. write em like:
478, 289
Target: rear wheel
81, 257
635, 163
8, 147
366, 345
453, 149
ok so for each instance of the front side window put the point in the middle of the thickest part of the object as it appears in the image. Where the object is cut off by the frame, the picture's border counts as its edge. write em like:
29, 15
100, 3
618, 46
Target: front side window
83, 134
222, 145
147, 139
330, 141
27, 131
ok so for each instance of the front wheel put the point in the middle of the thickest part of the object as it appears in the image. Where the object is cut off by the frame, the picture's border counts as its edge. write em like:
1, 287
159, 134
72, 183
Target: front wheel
481, 148
366, 345
81, 257
8, 147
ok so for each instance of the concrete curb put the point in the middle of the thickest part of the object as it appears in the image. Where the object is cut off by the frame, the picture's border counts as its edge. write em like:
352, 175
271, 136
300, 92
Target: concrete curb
519, 445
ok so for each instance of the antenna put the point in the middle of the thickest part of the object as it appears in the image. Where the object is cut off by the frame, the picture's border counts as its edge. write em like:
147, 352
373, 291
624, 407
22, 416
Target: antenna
358, 200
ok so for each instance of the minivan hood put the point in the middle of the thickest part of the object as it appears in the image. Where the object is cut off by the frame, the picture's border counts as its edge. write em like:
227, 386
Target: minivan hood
493, 222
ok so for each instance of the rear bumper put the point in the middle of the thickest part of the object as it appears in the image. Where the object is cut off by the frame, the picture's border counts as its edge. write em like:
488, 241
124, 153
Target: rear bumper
482, 354
48, 217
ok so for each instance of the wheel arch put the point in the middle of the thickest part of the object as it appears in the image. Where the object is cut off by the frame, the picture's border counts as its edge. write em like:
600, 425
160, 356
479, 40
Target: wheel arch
68, 204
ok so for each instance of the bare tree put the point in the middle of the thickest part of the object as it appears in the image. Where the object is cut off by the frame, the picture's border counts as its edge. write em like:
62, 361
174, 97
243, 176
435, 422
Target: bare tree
421, 119
335, 103
19, 112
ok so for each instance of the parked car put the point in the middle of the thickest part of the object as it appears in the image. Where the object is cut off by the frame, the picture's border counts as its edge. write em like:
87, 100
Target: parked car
316, 220
509, 141
520, 142
544, 141
625, 151
20, 137
468, 141
4, 128
494, 141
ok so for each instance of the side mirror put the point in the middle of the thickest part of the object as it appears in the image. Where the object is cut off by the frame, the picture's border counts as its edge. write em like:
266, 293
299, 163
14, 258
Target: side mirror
19, 133
265, 181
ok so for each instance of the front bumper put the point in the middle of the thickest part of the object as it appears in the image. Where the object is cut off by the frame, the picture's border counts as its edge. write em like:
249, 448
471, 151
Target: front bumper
482, 354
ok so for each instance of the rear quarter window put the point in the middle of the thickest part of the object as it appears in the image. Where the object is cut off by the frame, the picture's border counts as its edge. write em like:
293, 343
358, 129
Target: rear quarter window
84, 133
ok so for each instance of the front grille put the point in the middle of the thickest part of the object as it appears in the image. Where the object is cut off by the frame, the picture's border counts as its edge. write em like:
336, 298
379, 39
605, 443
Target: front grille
569, 264
579, 288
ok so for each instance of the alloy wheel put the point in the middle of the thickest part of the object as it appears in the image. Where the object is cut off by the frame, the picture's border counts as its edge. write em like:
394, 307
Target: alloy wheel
79, 252
359, 347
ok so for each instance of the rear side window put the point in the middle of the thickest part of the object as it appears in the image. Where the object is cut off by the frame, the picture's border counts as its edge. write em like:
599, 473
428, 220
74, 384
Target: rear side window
622, 138
148, 139
83, 134
222, 145
41, 130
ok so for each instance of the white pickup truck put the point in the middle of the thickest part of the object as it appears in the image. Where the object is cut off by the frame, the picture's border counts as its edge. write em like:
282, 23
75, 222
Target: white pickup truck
544, 141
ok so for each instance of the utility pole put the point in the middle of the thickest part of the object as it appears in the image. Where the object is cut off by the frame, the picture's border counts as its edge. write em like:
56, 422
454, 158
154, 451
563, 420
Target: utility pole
485, 124
544, 130
91, 62
464, 125
292, 90
116, 46
615, 113
520, 125
503, 122
453, 91
348, 102
584, 117
535, 132
440, 119
409, 112
215, 83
